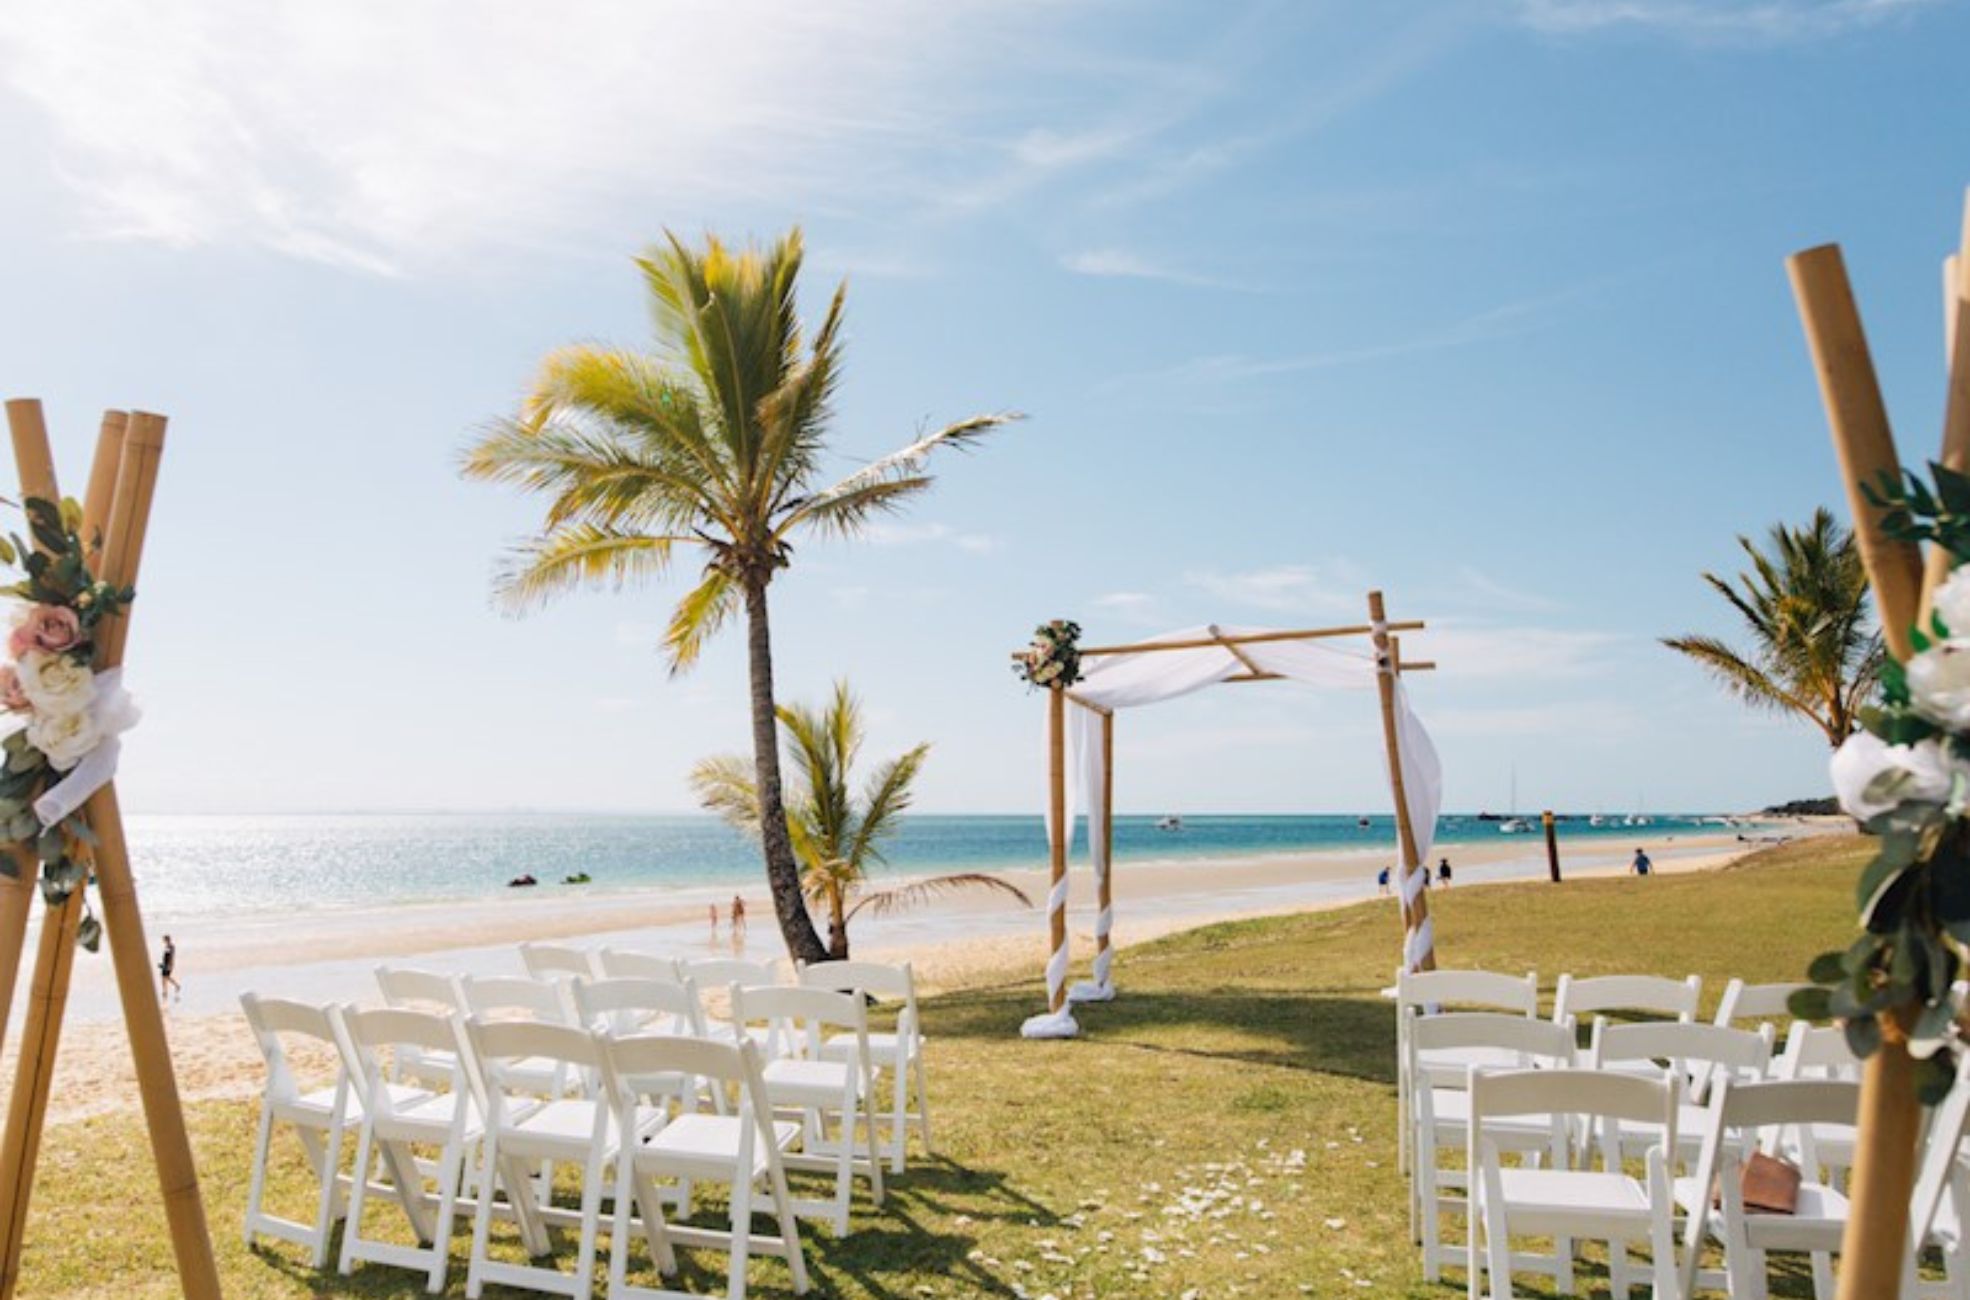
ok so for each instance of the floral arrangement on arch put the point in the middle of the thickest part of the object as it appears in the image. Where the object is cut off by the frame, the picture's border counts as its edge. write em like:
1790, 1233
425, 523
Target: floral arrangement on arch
56, 708
1054, 657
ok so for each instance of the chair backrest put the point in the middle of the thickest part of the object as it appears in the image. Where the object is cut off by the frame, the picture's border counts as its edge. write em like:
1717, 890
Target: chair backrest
622, 1005
627, 1060
1941, 1171
620, 964
1590, 1093
1655, 994
1469, 988
271, 1019
546, 961
796, 1017
1816, 1052
718, 972
513, 997
498, 1044
874, 978
1535, 1041
402, 986
1683, 1043
366, 1035
1743, 1001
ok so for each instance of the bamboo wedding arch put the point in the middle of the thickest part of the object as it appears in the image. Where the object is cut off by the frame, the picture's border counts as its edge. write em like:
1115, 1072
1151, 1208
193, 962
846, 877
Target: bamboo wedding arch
115, 515
1246, 649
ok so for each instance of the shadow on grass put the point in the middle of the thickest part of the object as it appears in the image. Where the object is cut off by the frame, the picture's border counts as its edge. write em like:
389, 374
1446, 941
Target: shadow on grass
1349, 1037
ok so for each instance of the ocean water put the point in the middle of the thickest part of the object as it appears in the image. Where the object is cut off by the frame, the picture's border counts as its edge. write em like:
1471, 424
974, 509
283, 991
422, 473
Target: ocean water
237, 865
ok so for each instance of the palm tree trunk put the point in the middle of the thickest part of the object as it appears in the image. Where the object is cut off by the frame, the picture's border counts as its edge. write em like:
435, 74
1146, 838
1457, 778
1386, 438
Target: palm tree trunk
782, 874
837, 927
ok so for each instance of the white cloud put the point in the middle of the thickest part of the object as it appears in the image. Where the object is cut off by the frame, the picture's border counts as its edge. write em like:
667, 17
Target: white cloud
382, 135
1482, 590
1599, 719
1525, 653
1136, 608
1716, 20
1119, 264
893, 534
1330, 588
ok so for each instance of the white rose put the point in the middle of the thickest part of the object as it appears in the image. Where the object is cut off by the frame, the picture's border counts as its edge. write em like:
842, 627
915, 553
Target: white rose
55, 683
64, 737
1952, 602
1871, 776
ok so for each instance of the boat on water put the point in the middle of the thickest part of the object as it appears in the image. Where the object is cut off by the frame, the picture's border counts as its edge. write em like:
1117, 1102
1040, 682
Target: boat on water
1361, 823
1597, 820
1170, 824
1514, 826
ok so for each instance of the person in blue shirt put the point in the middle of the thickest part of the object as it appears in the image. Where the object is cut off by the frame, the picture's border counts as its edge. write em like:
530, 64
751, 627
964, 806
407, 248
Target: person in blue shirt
1382, 881
1640, 866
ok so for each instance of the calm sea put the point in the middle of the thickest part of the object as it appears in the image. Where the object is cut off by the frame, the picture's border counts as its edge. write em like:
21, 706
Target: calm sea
218, 865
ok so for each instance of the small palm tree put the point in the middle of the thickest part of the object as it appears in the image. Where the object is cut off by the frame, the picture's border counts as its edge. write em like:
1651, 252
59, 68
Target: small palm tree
1815, 651
713, 443
836, 840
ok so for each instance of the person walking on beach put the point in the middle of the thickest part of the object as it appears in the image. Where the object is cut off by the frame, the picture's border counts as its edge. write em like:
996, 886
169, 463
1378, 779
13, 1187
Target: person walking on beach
1382, 881
1443, 872
1640, 866
738, 917
714, 923
167, 967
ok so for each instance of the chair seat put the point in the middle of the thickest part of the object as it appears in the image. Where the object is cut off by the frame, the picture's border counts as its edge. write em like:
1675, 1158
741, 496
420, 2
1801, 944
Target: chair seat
881, 1046
1816, 1224
316, 1108
812, 1083
429, 1119
1450, 1066
1559, 1197
707, 1146
554, 1127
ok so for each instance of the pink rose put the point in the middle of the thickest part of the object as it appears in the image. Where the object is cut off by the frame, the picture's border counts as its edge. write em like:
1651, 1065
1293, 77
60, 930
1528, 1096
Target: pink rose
45, 627
12, 698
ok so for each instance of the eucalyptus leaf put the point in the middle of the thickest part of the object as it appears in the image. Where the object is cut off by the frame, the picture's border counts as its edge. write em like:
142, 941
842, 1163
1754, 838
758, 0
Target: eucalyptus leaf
1827, 968
1810, 1003
1863, 1036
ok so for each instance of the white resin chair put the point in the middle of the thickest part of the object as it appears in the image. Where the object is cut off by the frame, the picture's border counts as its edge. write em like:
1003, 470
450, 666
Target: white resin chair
420, 990
1821, 1052
1470, 990
640, 1006
838, 1088
900, 1052
1940, 1204
447, 1120
743, 1150
547, 961
519, 1131
1747, 1116
713, 976
1440, 1117
1743, 1001
1567, 1203
320, 1119
622, 964
512, 997
1654, 995
1697, 1054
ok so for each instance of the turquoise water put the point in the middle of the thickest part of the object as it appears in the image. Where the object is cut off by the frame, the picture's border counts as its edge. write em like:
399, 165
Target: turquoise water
221, 865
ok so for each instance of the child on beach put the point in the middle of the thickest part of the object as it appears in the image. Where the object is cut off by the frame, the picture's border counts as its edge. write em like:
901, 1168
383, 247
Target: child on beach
1443, 872
1640, 866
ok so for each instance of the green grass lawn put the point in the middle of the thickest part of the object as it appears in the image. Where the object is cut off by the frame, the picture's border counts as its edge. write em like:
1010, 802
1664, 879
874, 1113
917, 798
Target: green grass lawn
1225, 1128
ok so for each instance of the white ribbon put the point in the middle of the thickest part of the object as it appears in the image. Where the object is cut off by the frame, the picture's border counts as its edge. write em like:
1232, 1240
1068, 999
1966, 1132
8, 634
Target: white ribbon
115, 713
1057, 963
1098, 989
1421, 941
1051, 1024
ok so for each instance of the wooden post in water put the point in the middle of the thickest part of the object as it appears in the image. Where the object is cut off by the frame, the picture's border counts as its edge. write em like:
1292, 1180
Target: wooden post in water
1552, 845
1875, 1243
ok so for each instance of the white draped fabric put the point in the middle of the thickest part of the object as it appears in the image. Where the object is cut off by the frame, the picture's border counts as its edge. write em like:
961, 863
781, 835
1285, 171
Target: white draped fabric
1127, 681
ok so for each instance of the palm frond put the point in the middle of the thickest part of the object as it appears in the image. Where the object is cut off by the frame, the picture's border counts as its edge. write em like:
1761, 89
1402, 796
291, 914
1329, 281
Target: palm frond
823, 784
594, 474
705, 609
848, 513
1745, 680
633, 393
581, 554
919, 892
724, 786
887, 798
903, 464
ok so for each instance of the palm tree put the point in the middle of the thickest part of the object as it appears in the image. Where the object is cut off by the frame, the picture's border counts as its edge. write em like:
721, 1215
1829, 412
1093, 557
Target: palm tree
1815, 651
836, 840
712, 442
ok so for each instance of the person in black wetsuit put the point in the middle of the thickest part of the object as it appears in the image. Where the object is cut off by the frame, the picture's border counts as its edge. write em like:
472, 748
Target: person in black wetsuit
167, 968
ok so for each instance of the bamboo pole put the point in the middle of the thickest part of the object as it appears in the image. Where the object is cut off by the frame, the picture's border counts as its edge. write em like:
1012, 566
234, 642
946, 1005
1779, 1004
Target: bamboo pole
1552, 845
1875, 1243
1057, 832
1104, 955
1250, 638
1956, 400
54, 963
1416, 911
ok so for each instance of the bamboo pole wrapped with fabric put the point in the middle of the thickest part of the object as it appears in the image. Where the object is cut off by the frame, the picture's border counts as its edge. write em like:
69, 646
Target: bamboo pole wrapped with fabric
1874, 1246
54, 961
1410, 885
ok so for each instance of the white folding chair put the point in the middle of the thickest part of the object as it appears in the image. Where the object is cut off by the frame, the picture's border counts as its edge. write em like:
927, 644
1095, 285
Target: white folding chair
820, 1088
419, 990
1441, 1115
621, 964
520, 1130
547, 961
512, 997
1940, 1204
1757, 1116
642, 1006
743, 1150
1821, 1052
446, 1119
1696, 1053
319, 1118
1653, 995
1562, 1202
1743, 1001
1469, 990
713, 976
900, 1052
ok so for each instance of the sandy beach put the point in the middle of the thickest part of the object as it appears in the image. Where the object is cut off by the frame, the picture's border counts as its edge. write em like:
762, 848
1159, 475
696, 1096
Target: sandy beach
332, 954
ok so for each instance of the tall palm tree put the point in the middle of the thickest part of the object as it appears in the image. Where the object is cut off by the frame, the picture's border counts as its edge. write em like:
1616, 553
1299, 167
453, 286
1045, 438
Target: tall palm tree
713, 442
1814, 649
836, 840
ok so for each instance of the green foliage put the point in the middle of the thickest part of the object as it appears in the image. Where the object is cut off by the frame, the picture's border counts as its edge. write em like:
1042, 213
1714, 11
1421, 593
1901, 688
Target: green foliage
1053, 659
1911, 511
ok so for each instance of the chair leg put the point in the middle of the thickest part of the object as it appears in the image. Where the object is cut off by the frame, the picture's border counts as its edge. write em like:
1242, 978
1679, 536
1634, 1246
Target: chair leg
1822, 1276
1498, 1245
450, 1164
591, 1218
741, 1233
868, 1118
923, 1102
352, 1231
482, 1217
330, 1205
789, 1228
1426, 1202
899, 1119
651, 1200
262, 1145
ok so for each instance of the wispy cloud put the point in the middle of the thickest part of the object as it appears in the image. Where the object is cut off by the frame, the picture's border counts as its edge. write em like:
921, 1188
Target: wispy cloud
1136, 608
1478, 588
1116, 263
894, 534
1601, 719
1523, 653
1331, 587
1717, 20
384, 136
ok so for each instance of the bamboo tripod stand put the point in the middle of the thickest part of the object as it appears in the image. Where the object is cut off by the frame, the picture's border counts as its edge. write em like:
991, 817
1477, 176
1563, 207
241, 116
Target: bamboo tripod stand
116, 510
1875, 1245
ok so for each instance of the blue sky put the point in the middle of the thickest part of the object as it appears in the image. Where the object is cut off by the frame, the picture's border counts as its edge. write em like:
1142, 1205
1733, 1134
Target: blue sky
1480, 302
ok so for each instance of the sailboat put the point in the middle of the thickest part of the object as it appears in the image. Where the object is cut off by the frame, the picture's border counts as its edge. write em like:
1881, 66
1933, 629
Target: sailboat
1514, 824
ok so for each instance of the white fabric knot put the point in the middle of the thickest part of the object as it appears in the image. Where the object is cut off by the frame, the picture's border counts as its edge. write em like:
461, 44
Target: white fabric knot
115, 712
